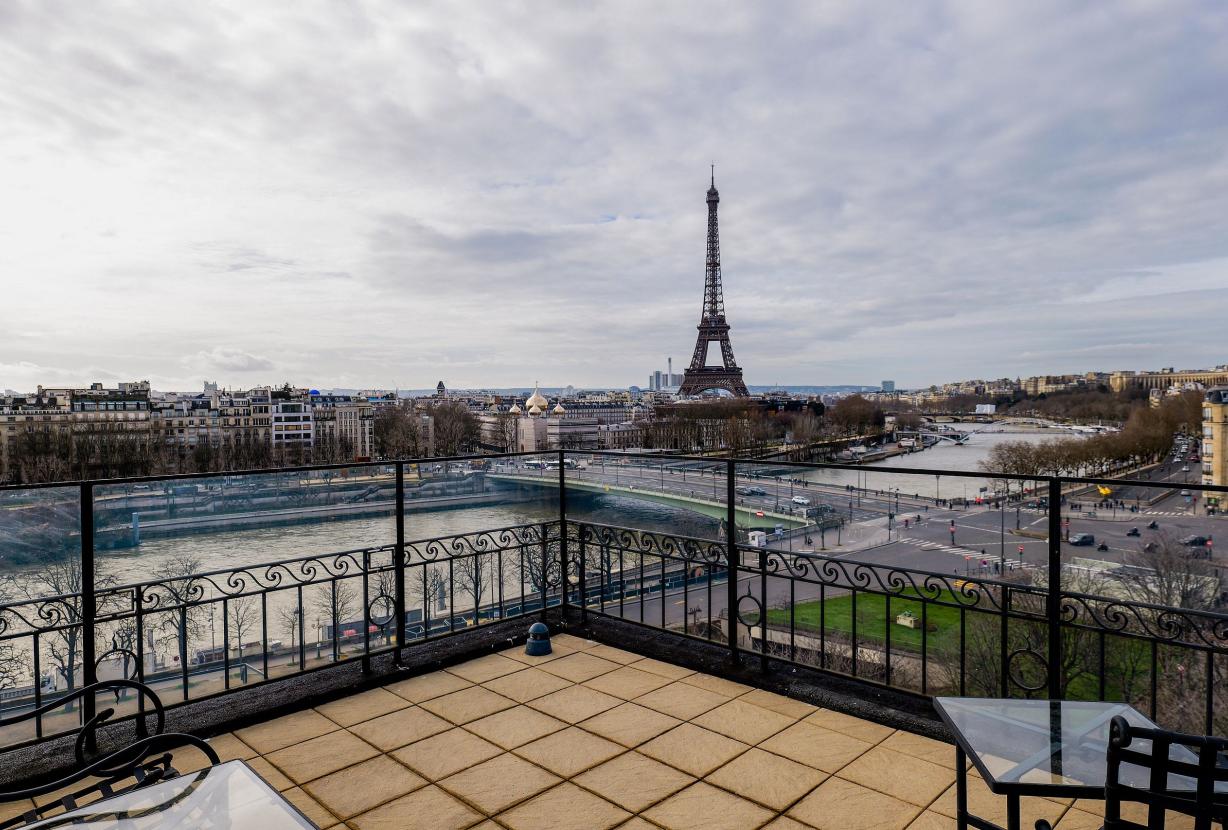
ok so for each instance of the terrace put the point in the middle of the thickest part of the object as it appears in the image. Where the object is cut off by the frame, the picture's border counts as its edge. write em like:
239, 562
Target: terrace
658, 706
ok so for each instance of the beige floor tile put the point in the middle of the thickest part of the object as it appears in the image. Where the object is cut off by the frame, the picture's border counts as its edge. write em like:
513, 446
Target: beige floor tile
681, 700
745, 722
630, 724
429, 808
486, 668
627, 682
229, 747
692, 749
786, 823
467, 704
819, 748
929, 820
527, 685
907, 778
400, 728
664, 669
556, 651
718, 684
863, 730
497, 784
187, 759
309, 807
12, 809
446, 753
362, 707
779, 703
319, 756
570, 751
271, 774
634, 781
984, 803
1073, 820
514, 727
616, 654
282, 732
766, 778
637, 823
918, 746
364, 786
1131, 812
566, 807
843, 805
573, 642
575, 703
427, 686
579, 667
703, 807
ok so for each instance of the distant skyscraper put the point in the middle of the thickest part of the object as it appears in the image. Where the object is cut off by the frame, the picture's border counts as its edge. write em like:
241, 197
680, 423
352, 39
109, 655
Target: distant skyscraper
889, 386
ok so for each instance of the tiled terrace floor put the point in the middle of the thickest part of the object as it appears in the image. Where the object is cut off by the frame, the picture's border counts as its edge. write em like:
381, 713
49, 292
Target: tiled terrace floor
592, 738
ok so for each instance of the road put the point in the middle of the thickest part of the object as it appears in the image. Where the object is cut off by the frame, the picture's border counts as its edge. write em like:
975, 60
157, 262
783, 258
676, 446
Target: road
976, 541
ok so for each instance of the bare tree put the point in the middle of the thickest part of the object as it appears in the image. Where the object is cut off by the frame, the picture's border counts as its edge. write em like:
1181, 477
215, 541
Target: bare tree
241, 616
289, 617
334, 604
183, 622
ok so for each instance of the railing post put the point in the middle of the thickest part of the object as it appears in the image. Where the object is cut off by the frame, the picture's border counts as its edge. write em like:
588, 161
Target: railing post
398, 562
563, 584
1053, 601
89, 603
731, 555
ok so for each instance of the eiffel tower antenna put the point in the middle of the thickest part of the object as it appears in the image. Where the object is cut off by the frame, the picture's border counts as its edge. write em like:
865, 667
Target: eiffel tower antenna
712, 326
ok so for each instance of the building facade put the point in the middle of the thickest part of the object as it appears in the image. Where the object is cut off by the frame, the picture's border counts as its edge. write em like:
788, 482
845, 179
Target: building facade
1215, 437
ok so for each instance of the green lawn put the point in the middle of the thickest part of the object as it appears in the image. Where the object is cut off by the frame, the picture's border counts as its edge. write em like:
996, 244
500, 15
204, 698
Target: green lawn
836, 616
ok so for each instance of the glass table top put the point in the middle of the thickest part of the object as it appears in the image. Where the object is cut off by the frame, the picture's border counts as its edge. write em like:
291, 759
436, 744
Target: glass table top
229, 796
1046, 743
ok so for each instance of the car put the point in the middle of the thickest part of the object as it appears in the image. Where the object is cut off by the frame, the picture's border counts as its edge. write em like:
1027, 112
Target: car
1185, 468
756, 491
1194, 541
1185, 493
802, 500
1082, 539
744, 491
1133, 532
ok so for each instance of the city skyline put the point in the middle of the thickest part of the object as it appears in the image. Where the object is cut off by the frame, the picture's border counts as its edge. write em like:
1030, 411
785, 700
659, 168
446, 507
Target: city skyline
196, 193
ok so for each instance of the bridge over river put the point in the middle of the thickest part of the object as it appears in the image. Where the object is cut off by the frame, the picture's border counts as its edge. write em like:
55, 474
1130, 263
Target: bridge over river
747, 517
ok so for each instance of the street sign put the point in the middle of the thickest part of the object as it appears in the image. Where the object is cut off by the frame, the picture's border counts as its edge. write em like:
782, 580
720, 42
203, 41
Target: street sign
1021, 550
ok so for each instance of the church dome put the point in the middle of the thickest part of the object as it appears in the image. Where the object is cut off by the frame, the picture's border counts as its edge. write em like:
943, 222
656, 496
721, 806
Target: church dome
558, 409
536, 399
515, 410
535, 409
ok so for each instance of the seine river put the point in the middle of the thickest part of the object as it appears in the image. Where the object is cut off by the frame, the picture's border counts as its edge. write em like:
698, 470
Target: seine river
242, 547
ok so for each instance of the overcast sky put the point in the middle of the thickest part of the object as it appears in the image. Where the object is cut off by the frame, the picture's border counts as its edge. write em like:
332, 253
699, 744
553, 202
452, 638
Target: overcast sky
388, 194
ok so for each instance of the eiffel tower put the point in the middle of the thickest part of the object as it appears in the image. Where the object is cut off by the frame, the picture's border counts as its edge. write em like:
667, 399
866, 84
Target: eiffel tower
712, 327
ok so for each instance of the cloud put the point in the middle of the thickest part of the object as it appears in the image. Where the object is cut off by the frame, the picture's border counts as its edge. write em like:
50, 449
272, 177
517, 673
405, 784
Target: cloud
223, 359
380, 195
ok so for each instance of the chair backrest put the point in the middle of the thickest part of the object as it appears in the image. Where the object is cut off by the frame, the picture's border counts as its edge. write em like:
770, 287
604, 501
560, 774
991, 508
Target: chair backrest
145, 761
1193, 793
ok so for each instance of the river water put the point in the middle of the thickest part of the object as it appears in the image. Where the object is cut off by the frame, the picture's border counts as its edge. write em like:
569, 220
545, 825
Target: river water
946, 455
229, 549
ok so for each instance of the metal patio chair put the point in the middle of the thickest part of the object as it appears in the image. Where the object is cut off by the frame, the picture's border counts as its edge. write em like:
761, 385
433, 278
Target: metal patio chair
103, 774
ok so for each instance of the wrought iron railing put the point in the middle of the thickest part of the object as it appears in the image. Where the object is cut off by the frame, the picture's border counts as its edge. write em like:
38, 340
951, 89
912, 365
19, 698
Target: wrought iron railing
208, 631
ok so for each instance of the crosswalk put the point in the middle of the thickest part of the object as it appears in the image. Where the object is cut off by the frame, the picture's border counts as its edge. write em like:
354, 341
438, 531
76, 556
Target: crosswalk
928, 545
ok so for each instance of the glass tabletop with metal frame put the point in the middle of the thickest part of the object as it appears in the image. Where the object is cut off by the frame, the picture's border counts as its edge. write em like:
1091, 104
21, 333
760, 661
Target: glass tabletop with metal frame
1033, 748
229, 796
